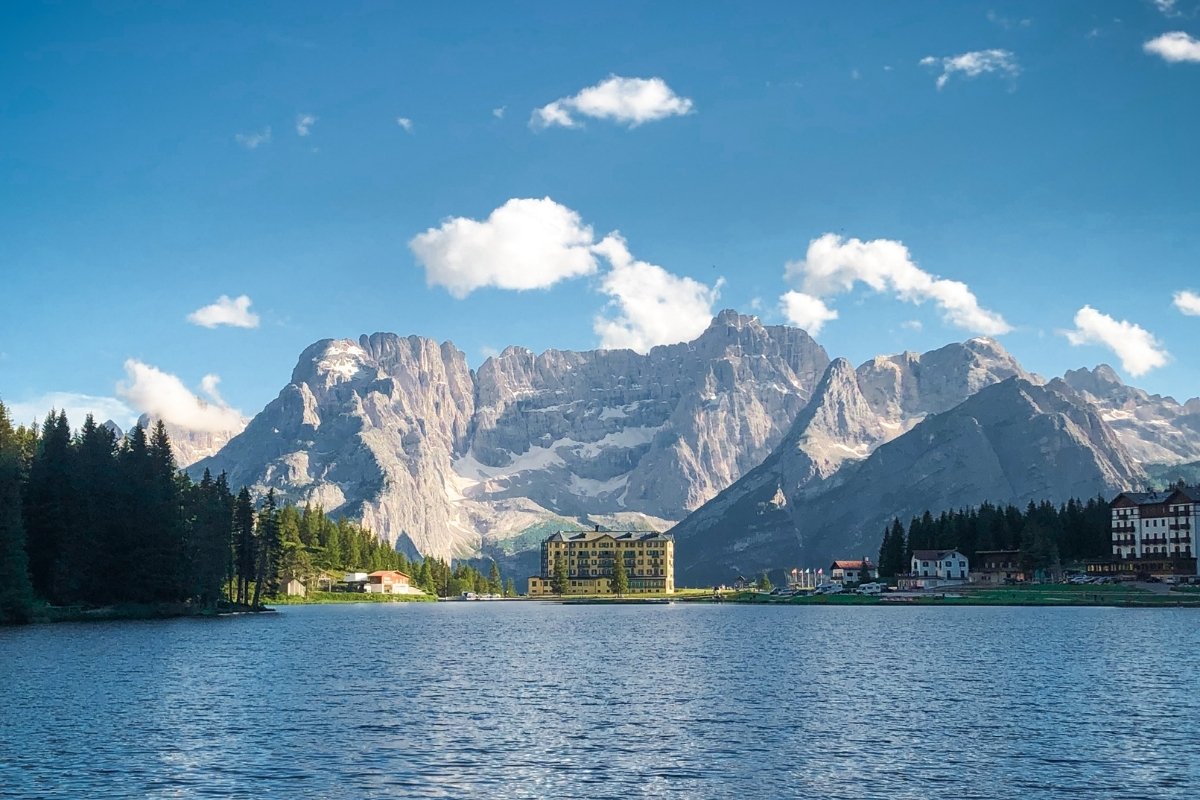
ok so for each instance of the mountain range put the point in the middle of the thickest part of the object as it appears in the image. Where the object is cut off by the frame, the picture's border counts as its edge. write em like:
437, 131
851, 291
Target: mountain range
753, 447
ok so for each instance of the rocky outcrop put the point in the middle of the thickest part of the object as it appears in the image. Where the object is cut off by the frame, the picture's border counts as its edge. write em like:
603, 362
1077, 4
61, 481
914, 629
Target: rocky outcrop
399, 432
1156, 430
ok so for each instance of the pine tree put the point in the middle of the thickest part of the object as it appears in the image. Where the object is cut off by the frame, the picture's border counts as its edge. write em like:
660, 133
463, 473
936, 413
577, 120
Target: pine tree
619, 582
266, 580
425, 579
510, 588
48, 500
16, 592
561, 577
494, 584
245, 554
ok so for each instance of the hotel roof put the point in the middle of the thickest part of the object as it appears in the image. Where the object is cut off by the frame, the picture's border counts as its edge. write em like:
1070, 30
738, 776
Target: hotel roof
620, 536
1190, 494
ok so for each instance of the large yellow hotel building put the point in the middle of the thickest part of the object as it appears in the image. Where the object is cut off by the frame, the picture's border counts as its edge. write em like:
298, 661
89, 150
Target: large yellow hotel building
649, 561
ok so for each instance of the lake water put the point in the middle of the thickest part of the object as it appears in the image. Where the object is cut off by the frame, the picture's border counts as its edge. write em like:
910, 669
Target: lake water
543, 700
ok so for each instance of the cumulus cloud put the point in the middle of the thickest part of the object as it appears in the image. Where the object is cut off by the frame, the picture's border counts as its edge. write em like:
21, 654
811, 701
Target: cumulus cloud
834, 266
805, 311
1167, 7
523, 244
304, 123
151, 391
974, 64
255, 139
628, 101
1136, 347
77, 406
498, 112
1175, 47
534, 244
1188, 302
652, 306
234, 312
405, 123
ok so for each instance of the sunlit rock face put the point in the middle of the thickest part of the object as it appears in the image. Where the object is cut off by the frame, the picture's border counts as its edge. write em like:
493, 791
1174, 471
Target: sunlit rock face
400, 433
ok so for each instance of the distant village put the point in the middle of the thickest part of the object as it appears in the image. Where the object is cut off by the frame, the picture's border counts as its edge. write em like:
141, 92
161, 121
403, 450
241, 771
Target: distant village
1152, 540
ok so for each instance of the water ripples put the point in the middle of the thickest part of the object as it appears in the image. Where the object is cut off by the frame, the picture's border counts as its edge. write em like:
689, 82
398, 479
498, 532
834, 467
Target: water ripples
534, 700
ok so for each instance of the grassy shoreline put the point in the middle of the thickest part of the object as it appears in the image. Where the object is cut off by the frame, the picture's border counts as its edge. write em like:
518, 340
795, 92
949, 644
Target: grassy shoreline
1047, 595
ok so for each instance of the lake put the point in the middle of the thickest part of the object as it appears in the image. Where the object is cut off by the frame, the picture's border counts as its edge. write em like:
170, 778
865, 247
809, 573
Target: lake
519, 699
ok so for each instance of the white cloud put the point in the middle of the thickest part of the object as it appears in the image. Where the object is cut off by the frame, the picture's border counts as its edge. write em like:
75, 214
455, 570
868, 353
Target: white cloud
1007, 23
974, 64
630, 101
805, 311
254, 140
1167, 7
534, 244
1175, 47
77, 406
498, 112
304, 123
653, 306
210, 384
1188, 302
406, 123
226, 311
833, 266
912, 325
163, 396
1137, 348
523, 244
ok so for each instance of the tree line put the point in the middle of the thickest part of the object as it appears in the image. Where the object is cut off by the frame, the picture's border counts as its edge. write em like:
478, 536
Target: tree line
87, 519
1045, 533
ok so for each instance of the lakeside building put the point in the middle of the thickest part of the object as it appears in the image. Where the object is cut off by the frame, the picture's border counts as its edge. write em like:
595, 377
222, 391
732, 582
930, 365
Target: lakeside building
1153, 534
649, 560
844, 573
933, 568
1000, 567
387, 581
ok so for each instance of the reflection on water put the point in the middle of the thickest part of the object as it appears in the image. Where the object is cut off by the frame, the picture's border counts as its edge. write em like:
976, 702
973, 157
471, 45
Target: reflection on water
538, 700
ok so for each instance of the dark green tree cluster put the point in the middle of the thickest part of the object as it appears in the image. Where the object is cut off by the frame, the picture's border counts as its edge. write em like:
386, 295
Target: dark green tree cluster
88, 520
111, 522
436, 577
1044, 532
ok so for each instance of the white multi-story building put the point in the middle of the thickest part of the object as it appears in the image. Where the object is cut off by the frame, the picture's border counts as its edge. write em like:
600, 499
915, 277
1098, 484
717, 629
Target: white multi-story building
1155, 532
932, 568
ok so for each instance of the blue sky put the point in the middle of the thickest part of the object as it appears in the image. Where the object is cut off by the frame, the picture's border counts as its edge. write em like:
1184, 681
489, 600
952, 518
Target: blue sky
1043, 155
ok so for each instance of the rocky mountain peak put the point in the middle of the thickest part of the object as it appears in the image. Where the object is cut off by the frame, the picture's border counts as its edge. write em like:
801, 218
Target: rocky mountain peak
399, 432
1153, 428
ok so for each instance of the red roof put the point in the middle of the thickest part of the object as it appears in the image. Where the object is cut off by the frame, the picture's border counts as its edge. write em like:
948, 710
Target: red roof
848, 564
386, 573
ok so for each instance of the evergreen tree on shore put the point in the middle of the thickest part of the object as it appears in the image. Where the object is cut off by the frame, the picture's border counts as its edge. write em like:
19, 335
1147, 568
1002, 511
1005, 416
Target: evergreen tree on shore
16, 592
245, 555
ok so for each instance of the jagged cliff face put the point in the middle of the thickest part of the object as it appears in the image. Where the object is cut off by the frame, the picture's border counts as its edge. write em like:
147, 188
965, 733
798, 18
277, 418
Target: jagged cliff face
1014, 441
1153, 428
399, 431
